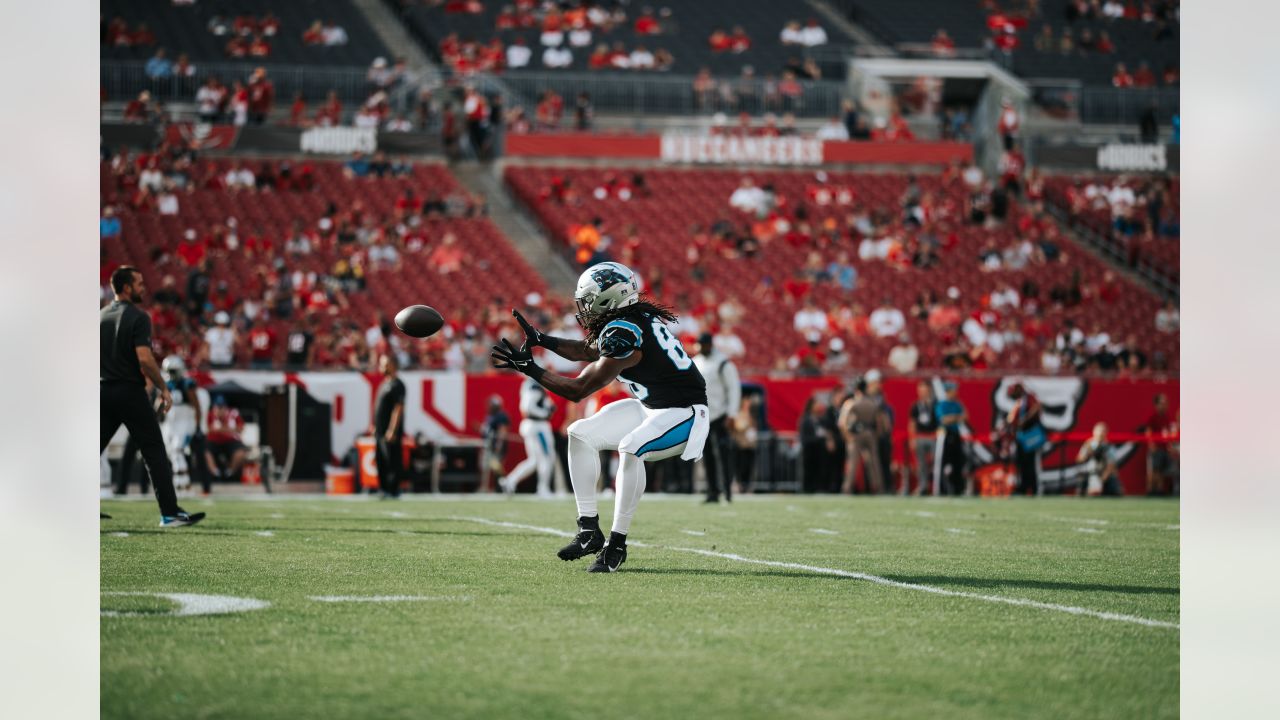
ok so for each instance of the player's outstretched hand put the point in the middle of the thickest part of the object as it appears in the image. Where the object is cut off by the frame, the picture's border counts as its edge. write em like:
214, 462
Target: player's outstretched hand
506, 357
533, 337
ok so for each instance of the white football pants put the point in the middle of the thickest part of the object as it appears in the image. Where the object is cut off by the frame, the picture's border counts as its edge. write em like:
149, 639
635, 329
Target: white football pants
539, 449
640, 435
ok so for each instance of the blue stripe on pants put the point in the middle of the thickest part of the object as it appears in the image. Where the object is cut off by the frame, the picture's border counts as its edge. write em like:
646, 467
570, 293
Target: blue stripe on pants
672, 438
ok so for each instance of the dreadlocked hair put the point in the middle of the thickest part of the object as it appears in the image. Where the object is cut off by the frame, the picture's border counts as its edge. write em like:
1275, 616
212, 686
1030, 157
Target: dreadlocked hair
646, 304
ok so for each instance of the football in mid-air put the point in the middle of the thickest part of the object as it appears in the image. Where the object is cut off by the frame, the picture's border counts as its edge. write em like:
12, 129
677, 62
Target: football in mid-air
419, 321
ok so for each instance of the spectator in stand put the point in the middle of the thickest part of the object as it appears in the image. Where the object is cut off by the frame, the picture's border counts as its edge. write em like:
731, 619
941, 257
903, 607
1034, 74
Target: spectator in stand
259, 48
109, 226
300, 345
1143, 77
809, 358
834, 129
647, 24
887, 320
262, 95
641, 59
1161, 469
583, 113
739, 42
1167, 318
262, 345
1148, 125
810, 318
749, 199
942, 45
220, 342
557, 57
842, 272
1121, 77
812, 35
791, 33
905, 356
448, 257
518, 54
334, 34
159, 67
1009, 123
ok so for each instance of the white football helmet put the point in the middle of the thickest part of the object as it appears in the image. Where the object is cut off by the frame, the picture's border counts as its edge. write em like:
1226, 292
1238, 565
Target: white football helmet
603, 287
174, 367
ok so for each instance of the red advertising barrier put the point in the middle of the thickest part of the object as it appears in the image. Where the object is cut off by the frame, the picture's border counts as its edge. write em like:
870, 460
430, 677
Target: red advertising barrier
706, 149
443, 405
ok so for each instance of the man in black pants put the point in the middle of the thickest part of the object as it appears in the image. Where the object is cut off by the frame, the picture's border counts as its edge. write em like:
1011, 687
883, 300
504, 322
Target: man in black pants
388, 428
724, 397
126, 359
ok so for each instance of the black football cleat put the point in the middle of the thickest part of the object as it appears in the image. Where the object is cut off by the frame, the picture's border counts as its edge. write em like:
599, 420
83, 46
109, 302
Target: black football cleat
182, 519
588, 541
609, 559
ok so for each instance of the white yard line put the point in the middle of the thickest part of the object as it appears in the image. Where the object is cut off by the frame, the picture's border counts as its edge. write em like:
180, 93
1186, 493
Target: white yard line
960, 531
696, 533
265, 533
1020, 602
1090, 530
1086, 521
823, 531
191, 604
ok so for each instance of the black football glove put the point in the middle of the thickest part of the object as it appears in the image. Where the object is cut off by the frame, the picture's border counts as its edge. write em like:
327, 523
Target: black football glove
533, 337
506, 357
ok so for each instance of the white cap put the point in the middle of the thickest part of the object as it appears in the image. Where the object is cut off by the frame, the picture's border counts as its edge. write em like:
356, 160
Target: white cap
189, 234
873, 375
813, 336
953, 292
533, 299
222, 318
836, 345
379, 62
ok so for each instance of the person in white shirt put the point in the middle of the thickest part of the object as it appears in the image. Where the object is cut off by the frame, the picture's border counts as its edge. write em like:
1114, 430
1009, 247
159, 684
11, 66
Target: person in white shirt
167, 202
551, 38
748, 197
641, 59
1167, 318
557, 56
334, 35
1121, 199
728, 343
1005, 298
366, 118
539, 443
812, 34
220, 342
724, 398
887, 320
833, 129
399, 123
239, 176
810, 317
904, 356
151, 178
579, 37
518, 54
792, 34
209, 97
1098, 341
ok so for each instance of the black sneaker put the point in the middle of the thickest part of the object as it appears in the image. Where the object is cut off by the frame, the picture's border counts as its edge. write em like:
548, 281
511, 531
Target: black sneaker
182, 519
609, 559
588, 541
103, 516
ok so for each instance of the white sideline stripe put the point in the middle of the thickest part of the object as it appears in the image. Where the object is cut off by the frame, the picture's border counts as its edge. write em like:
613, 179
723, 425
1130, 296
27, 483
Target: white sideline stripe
923, 513
1020, 602
1087, 521
396, 514
960, 531
389, 598
698, 533
277, 516
119, 534
265, 533
823, 531
1089, 530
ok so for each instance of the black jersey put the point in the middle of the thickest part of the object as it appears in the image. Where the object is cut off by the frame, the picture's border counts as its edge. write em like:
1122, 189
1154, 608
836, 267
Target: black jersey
665, 377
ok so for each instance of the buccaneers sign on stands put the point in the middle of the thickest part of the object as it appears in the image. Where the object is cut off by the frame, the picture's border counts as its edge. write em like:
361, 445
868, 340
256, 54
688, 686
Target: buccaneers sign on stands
719, 149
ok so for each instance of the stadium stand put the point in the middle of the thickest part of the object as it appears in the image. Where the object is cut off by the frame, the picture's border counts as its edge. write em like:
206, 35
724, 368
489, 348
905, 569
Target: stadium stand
1145, 33
203, 30
154, 242
1144, 222
685, 32
769, 284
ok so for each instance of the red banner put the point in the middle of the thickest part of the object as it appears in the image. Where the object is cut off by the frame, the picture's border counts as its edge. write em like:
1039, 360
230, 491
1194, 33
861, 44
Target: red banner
444, 405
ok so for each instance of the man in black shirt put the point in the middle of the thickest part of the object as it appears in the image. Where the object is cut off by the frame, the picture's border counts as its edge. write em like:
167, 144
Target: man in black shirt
388, 428
125, 367
300, 346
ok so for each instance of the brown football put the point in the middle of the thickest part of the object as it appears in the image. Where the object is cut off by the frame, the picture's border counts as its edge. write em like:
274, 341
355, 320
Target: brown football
419, 321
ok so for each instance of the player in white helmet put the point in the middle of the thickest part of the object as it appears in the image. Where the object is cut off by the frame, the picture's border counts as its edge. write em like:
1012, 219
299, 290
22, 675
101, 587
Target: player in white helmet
627, 338
182, 423
539, 442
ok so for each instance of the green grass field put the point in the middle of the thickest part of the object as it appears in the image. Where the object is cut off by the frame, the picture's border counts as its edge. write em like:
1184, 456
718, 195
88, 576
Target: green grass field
501, 628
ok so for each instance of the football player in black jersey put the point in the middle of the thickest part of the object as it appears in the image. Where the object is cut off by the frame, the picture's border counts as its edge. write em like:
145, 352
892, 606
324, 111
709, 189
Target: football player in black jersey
627, 338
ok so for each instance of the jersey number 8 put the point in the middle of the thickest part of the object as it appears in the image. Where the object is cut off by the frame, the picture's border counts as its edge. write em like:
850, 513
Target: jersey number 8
671, 344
